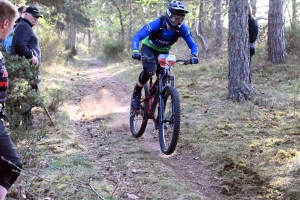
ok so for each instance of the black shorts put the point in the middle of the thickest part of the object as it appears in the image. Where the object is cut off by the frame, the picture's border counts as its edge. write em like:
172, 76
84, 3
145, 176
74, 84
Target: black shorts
152, 65
8, 172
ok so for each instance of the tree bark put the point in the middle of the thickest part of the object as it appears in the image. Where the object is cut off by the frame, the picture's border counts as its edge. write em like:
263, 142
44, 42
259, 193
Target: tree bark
219, 33
130, 29
239, 86
276, 44
89, 38
122, 33
199, 30
295, 14
72, 35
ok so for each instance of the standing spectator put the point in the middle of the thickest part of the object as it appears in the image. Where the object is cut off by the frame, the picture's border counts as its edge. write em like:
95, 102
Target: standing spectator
25, 43
253, 33
9, 171
7, 42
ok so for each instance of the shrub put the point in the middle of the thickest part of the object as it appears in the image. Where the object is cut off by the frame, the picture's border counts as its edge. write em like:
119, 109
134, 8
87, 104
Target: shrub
22, 77
112, 48
57, 97
292, 37
51, 44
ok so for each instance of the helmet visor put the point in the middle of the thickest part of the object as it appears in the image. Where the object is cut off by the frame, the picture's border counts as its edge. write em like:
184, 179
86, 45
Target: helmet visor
176, 19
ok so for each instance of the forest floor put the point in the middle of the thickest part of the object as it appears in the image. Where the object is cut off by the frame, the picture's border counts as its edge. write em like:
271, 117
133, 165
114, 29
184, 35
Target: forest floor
105, 98
226, 150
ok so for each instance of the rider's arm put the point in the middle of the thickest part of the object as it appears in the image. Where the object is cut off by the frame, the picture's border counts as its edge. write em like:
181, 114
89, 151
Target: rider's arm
144, 32
186, 34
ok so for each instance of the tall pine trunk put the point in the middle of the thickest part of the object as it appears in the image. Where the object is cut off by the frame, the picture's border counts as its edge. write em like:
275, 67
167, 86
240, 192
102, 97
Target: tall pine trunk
239, 86
276, 44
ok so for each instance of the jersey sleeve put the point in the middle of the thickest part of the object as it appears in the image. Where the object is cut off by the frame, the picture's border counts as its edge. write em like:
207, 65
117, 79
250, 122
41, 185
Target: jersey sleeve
3, 79
22, 36
143, 33
186, 34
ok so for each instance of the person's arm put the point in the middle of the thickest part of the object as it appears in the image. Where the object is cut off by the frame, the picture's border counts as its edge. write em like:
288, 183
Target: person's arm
22, 36
143, 33
186, 34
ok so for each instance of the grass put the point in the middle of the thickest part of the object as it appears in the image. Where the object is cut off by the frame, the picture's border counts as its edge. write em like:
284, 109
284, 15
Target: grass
253, 146
60, 165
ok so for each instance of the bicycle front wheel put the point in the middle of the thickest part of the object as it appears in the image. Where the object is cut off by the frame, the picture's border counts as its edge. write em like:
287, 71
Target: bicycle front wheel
138, 119
169, 127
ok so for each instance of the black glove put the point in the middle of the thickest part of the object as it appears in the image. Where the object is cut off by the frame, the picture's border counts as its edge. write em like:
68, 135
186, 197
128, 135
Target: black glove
137, 56
252, 49
194, 60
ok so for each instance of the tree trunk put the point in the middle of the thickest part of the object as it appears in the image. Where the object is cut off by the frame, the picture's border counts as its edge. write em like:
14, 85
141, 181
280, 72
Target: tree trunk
199, 30
295, 14
276, 44
130, 29
72, 35
219, 34
89, 38
122, 33
239, 85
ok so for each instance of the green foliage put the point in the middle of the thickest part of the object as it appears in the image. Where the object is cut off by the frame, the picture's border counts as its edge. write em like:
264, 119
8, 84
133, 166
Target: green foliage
55, 3
52, 46
22, 77
292, 37
56, 98
112, 48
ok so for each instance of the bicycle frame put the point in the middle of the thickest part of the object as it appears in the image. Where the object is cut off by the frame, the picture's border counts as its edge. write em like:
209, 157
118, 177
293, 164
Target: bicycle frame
163, 97
161, 83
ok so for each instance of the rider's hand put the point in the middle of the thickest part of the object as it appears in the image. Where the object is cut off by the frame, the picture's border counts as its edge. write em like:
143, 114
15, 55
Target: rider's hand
137, 56
194, 60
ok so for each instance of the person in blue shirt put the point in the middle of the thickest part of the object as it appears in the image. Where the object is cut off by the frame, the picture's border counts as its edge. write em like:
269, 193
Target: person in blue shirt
7, 42
157, 38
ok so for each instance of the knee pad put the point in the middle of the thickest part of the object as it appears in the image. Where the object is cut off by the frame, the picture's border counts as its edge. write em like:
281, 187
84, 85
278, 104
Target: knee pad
144, 77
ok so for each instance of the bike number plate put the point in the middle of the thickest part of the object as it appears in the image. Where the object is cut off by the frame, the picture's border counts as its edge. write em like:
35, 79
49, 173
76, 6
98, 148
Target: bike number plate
165, 60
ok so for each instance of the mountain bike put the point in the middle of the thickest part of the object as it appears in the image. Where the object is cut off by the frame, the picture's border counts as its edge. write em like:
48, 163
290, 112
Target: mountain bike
163, 97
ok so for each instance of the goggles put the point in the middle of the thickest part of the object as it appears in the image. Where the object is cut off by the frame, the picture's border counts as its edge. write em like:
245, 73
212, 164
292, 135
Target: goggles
177, 18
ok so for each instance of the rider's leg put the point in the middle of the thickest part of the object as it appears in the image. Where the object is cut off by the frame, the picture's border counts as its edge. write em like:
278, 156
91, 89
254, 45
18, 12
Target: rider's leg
149, 68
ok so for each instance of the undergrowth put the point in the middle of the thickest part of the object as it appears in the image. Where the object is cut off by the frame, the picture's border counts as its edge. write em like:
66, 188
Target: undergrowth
252, 146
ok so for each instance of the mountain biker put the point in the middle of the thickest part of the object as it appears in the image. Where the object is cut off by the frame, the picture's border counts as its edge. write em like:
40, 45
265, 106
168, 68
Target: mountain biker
157, 38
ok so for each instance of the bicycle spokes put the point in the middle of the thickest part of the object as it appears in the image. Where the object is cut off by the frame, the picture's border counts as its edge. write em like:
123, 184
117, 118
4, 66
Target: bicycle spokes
170, 127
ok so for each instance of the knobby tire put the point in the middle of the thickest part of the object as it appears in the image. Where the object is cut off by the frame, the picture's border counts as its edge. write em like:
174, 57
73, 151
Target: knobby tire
138, 120
169, 128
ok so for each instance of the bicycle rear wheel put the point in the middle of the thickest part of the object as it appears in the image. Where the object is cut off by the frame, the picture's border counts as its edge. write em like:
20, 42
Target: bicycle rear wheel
138, 119
169, 127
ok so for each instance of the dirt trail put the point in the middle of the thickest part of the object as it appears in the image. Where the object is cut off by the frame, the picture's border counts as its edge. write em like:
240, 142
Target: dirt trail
103, 95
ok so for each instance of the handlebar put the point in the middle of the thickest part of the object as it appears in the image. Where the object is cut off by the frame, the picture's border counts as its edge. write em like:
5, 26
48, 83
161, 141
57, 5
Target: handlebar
184, 61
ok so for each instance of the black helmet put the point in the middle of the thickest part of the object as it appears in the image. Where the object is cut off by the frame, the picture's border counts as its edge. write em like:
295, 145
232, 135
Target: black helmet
176, 8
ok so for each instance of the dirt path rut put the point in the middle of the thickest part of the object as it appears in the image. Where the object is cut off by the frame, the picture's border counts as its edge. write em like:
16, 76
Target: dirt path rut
100, 94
